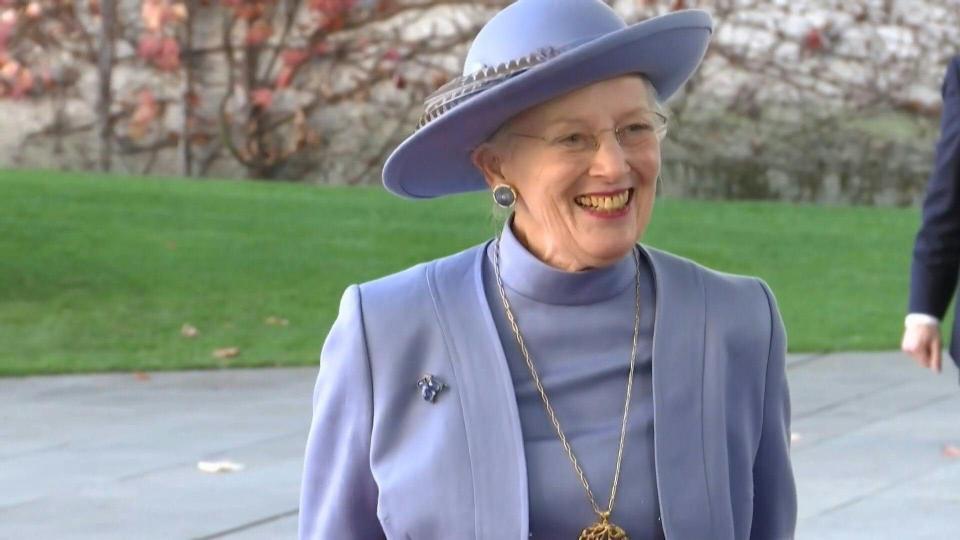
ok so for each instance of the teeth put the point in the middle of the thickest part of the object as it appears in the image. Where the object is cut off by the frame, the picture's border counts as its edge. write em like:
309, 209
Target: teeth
604, 203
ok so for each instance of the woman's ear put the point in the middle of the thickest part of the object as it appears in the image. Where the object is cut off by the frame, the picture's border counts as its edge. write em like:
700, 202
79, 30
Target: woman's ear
487, 159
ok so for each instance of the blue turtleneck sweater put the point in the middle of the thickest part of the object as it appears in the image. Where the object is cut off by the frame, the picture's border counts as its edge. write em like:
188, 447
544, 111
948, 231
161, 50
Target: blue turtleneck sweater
578, 328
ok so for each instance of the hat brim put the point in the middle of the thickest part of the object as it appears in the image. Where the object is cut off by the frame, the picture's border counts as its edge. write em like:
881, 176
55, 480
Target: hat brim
435, 160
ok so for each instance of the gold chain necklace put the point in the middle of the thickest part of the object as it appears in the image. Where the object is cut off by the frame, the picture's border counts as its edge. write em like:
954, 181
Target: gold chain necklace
602, 529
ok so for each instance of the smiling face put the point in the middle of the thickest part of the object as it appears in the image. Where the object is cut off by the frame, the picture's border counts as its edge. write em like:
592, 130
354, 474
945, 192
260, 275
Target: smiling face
579, 207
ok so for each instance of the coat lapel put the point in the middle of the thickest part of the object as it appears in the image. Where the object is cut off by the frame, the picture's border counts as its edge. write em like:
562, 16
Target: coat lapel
678, 355
491, 417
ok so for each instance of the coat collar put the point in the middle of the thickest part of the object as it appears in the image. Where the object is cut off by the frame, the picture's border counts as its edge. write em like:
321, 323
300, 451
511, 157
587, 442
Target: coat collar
494, 439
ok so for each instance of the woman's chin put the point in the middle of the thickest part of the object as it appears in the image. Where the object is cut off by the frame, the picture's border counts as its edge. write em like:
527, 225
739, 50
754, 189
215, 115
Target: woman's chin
608, 253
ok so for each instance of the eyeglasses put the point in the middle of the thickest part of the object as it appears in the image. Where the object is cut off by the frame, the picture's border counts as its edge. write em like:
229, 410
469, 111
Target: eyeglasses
632, 136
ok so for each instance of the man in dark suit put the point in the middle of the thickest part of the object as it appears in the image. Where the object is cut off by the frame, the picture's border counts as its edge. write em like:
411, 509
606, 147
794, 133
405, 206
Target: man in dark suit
936, 254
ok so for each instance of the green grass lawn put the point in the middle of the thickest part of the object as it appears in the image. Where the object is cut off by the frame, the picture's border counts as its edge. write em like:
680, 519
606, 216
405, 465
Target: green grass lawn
100, 273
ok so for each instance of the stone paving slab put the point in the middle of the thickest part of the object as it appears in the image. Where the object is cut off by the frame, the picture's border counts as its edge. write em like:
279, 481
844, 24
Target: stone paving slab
114, 456
869, 461
927, 507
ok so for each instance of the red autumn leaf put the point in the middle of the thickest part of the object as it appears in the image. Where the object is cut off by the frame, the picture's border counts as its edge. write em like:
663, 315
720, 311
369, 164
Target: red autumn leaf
146, 106
246, 10
399, 81
334, 23
262, 97
169, 58
150, 46
391, 55
332, 8
6, 29
285, 77
146, 111
321, 48
294, 57
259, 32
200, 138
813, 40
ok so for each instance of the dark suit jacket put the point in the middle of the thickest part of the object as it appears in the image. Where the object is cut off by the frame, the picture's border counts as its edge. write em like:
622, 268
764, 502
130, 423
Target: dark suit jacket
936, 254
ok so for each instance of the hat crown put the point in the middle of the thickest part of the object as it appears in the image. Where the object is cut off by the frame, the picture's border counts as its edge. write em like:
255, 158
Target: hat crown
527, 26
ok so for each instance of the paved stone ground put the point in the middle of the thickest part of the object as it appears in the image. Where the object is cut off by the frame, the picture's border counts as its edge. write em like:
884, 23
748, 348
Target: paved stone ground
869, 459
115, 456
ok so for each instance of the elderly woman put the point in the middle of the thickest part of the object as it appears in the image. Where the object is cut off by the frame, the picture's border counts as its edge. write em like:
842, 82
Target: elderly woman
560, 379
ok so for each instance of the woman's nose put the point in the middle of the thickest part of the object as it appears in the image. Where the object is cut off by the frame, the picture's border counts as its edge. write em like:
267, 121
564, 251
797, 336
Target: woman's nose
609, 159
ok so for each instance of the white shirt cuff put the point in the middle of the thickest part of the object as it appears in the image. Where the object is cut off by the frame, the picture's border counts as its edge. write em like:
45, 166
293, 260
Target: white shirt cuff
920, 318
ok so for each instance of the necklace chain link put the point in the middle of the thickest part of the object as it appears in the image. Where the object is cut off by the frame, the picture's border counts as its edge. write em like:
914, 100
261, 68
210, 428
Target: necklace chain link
546, 402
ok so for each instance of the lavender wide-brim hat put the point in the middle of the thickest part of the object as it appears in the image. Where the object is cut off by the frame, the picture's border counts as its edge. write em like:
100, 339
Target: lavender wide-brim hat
529, 53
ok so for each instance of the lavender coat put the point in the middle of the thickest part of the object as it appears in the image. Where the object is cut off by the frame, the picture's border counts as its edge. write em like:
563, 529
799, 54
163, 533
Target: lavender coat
382, 462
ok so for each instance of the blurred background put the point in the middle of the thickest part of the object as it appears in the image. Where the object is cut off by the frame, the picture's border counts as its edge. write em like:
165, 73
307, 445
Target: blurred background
829, 106
192, 184
815, 101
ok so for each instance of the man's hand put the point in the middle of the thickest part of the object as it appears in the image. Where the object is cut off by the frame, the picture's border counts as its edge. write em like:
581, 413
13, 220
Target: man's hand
922, 342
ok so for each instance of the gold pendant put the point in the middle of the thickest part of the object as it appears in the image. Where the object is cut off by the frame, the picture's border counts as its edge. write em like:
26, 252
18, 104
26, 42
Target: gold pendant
603, 530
